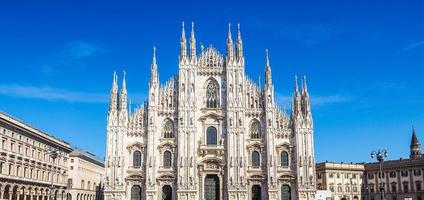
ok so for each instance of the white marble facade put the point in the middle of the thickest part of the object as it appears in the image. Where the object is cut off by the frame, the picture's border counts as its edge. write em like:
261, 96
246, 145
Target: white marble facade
211, 133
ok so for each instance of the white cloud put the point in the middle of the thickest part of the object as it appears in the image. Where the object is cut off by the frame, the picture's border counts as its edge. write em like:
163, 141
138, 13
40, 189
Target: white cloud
315, 100
413, 46
81, 49
52, 94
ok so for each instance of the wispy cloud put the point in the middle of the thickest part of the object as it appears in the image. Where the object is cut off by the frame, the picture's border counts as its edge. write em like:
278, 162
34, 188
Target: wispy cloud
55, 94
52, 94
316, 100
81, 49
413, 46
70, 56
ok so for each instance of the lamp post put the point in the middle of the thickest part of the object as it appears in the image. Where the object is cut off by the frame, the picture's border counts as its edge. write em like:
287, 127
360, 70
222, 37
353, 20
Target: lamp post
53, 153
380, 155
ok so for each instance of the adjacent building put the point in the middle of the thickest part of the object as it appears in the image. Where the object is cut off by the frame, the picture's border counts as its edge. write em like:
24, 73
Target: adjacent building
86, 172
210, 132
27, 171
401, 179
342, 180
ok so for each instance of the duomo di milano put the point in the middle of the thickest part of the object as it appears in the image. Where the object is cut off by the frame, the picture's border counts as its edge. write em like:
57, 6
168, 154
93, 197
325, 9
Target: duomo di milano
210, 133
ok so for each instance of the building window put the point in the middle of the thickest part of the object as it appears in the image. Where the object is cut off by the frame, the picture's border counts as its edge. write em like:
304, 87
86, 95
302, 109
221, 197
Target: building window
392, 174
211, 136
285, 192
418, 185
212, 99
417, 172
370, 176
338, 175
331, 175
88, 185
255, 130
1, 168
137, 159
72, 167
82, 184
332, 188
353, 175
256, 159
405, 187
167, 162
404, 173
393, 186
70, 183
319, 175
339, 188
284, 159
168, 129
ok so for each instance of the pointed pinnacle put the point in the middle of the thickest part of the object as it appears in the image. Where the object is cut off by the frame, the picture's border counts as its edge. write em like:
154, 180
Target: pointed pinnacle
192, 30
154, 55
267, 58
238, 31
296, 90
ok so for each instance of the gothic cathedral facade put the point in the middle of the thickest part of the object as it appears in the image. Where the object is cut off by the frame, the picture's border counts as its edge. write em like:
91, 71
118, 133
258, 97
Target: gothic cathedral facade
210, 133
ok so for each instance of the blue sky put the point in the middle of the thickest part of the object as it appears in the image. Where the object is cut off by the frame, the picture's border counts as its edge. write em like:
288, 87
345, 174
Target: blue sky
363, 59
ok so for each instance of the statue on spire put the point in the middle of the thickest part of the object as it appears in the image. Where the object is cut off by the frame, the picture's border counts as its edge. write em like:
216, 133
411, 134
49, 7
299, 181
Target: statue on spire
268, 76
230, 45
192, 43
239, 43
154, 70
183, 44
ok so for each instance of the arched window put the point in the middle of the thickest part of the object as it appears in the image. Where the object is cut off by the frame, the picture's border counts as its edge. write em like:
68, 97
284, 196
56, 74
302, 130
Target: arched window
212, 99
168, 129
285, 192
137, 159
167, 162
255, 130
211, 136
135, 192
284, 159
255, 159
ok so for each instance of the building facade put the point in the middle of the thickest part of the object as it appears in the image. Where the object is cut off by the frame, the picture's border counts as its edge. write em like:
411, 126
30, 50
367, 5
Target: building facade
342, 180
86, 173
27, 171
401, 179
211, 133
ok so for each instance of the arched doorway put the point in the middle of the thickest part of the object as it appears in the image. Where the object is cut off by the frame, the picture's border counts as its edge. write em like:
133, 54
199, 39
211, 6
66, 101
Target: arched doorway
167, 192
285, 192
211, 187
135, 192
256, 192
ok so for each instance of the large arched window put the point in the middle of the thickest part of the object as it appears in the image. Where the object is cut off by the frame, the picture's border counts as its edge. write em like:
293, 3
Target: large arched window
285, 192
212, 97
256, 160
211, 136
168, 129
167, 159
255, 130
137, 159
135, 192
284, 159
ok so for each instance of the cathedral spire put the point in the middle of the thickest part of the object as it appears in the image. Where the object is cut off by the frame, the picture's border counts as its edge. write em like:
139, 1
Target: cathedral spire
239, 43
192, 43
113, 105
415, 146
230, 46
123, 95
183, 44
268, 76
154, 70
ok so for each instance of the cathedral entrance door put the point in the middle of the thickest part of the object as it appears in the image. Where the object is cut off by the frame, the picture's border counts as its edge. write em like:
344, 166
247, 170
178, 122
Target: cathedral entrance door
212, 187
256, 192
167, 192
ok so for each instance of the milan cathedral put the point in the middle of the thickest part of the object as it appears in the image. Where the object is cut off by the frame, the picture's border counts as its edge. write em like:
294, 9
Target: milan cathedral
210, 133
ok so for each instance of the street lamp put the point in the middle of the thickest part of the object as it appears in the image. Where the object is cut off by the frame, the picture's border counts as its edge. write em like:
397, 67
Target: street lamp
380, 155
53, 153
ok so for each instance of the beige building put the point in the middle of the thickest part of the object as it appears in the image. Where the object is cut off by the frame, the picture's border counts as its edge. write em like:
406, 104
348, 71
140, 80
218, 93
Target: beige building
343, 180
86, 172
26, 169
401, 179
